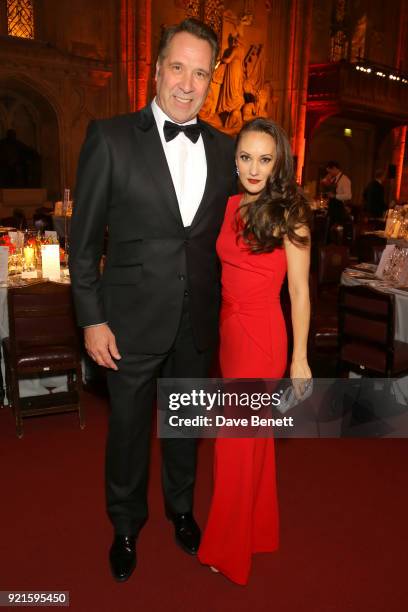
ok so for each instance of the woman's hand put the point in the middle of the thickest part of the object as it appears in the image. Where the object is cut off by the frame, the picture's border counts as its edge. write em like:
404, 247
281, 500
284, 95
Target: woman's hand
300, 373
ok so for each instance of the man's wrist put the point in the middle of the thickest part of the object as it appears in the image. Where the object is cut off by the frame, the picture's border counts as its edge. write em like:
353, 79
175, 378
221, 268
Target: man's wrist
95, 325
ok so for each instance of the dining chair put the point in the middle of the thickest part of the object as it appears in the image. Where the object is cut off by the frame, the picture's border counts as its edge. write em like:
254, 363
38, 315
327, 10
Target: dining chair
324, 285
320, 227
43, 341
370, 247
367, 343
332, 259
377, 250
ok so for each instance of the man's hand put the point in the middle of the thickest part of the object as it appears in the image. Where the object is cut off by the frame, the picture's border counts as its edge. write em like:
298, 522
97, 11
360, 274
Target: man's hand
100, 344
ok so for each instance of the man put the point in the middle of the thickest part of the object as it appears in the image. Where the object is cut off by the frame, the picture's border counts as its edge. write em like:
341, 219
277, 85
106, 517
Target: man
338, 186
373, 195
154, 312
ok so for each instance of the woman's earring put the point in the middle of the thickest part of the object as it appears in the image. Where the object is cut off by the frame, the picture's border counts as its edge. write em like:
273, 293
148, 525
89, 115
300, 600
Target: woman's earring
237, 170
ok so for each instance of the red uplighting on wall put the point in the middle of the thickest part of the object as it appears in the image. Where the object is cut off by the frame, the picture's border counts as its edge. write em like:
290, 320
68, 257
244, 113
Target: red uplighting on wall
135, 35
143, 51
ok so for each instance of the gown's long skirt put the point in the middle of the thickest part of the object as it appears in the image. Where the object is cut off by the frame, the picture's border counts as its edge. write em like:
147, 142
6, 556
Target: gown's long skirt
243, 517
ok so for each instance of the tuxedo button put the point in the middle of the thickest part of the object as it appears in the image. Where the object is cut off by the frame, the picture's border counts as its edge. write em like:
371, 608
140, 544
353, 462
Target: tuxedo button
181, 277
186, 293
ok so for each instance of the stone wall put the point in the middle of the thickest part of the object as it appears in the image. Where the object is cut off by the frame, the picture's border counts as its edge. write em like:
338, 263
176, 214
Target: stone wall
67, 76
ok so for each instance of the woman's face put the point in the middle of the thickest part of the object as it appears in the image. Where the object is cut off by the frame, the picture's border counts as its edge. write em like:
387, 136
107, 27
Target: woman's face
255, 159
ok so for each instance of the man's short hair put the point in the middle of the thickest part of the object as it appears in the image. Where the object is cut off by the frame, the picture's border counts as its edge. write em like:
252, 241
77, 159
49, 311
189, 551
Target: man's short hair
191, 26
333, 164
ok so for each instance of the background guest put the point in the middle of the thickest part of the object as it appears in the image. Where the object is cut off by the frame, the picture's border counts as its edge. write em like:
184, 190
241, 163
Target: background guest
374, 196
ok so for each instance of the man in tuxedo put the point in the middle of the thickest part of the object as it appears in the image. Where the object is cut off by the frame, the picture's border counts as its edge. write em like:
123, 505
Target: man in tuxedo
374, 196
339, 188
159, 180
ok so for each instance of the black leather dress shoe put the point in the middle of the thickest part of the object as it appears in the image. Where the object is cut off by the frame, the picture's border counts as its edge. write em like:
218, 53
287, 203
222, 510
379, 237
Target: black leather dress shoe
122, 557
187, 532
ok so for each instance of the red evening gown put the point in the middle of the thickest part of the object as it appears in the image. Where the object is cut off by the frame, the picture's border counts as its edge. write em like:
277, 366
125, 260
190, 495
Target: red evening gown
243, 516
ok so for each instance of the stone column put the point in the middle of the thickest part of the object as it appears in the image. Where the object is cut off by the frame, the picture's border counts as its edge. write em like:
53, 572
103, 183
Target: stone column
278, 61
135, 54
300, 30
399, 139
401, 132
304, 51
143, 52
127, 59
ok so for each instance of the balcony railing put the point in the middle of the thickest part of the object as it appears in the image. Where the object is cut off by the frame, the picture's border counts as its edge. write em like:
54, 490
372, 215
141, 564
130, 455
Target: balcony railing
360, 86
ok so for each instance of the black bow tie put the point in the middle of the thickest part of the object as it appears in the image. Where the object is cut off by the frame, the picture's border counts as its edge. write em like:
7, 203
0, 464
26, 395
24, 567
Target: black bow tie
192, 131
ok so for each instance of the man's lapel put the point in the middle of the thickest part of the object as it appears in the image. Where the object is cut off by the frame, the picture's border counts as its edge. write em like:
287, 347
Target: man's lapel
151, 147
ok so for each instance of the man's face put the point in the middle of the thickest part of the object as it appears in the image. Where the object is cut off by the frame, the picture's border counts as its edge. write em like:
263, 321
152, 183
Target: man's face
183, 77
333, 171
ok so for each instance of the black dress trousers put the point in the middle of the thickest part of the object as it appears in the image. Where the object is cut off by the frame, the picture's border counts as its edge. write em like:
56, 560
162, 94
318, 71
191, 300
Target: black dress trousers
132, 392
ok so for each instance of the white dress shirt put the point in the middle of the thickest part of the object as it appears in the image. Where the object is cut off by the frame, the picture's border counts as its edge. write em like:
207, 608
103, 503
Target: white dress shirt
187, 164
343, 188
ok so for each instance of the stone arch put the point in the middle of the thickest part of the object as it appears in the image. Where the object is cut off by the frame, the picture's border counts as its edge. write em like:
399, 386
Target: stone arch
354, 154
25, 95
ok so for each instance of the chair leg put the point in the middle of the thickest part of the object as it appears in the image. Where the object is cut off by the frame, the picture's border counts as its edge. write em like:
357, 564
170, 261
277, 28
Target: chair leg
19, 426
342, 371
15, 403
81, 417
2, 387
79, 391
8, 389
70, 381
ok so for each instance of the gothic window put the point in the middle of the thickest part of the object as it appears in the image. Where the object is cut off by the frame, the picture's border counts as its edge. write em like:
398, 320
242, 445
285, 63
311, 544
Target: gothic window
213, 11
20, 18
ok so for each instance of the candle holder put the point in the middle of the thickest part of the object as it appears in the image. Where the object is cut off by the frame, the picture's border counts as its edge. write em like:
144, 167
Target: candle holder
15, 262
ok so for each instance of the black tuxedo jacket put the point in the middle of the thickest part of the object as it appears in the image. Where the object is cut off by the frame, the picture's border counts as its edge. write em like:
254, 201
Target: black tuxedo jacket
374, 200
124, 184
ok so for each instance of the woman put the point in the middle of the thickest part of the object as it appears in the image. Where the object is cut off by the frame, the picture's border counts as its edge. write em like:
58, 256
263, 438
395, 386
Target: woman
264, 235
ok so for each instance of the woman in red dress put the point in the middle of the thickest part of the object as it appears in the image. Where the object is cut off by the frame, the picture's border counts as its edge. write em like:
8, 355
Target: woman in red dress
265, 235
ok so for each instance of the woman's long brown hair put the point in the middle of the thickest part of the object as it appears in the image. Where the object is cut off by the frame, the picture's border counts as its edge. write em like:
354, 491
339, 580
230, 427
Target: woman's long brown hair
281, 209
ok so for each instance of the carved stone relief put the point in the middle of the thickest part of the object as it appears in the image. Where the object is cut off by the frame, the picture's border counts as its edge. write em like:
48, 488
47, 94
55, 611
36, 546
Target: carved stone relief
213, 11
340, 32
358, 41
192, 7
377, 42
209, 11
237, 91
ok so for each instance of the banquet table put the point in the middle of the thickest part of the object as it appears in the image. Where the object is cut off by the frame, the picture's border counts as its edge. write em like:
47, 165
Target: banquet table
364, 274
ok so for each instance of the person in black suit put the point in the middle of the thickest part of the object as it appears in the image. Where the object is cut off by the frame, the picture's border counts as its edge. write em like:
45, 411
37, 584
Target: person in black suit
374, 197
159, 180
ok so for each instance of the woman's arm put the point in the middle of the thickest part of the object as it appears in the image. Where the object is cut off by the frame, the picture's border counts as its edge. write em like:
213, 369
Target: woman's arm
298, 260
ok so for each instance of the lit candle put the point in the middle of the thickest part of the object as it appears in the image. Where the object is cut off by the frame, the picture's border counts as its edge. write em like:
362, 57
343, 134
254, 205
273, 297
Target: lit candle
29, 257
